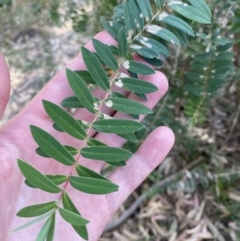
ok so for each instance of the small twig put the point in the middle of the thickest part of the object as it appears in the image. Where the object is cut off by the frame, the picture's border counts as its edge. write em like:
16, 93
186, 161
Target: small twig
160, 184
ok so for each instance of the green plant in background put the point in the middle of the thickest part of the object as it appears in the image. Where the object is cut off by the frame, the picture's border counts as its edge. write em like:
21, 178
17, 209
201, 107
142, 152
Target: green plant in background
210, 68
139, 28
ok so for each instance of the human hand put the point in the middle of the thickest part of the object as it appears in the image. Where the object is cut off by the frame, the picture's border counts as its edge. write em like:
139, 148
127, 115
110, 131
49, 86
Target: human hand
16, 142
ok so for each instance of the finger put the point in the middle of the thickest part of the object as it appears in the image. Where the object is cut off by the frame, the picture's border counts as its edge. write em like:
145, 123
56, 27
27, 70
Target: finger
5, 85
151, 153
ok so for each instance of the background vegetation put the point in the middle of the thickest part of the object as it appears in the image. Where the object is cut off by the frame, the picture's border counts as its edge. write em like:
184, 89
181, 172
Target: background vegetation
195, 193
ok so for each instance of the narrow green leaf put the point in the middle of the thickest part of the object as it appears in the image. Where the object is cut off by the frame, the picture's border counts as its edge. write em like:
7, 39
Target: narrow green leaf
50, 235
137, 67
85, 172
71, 102
146, 9
111, 27
41, 153
95, 68
105, 53
129, 23
86, 77
127, 106
68, 205
130, 137
159, 3
37, 179
56, 179
163, 33
64, 120
201, 4
105, 153
36, 210
117, 126
137, 15
95, 142
93, 185
74, 151
144, 51
117, 164
72, 218
176, 22
189, 12
138, 86
154, 46
81, 90
51, 146
44, 230
153, 62
57, 128
122, 43
33, 221
141, 96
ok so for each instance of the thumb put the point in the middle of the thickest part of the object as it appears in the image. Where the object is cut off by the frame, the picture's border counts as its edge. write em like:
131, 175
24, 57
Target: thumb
4, 85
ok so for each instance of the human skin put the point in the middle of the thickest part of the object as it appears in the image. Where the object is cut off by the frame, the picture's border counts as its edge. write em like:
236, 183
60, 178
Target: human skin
16, 142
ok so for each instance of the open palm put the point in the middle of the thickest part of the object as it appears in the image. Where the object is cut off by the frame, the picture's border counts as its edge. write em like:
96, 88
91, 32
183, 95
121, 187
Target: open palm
16, 142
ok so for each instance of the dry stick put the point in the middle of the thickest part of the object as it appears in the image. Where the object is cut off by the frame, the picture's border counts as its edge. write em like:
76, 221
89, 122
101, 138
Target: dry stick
155, 188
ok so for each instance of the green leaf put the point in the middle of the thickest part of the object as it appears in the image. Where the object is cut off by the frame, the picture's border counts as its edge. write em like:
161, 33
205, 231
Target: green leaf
146, 9
189, 12
130, 137
95, 68
159, 3
36, 210
57, 128
138, 68
93, 185
128, 19
85, 172
111, 27
95, 142
105, 54
50, 235
51, 146
74, 151
122, 43
71, 102
105, 153
127, 106
117, 164
44, 230
153, 62
144, 51
154, 45
137, 15
37, 179
33, 221
85, 75
68, 205
64, 120
201, 4
175, 22
72, 218
138, 86
117, 126
81, 90
56, 179
163, 33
